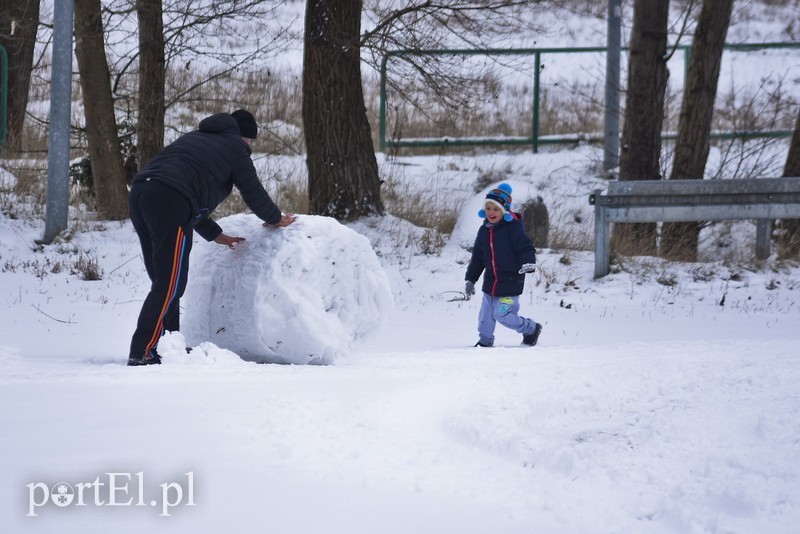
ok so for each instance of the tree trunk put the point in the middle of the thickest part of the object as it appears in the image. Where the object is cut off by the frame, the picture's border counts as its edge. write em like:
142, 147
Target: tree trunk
644, 115
19, 21
343, 177
101, 124
789, 237
679, 239
150, 130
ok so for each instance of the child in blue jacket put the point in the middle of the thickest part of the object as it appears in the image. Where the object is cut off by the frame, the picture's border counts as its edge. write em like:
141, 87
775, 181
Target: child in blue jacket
504, 254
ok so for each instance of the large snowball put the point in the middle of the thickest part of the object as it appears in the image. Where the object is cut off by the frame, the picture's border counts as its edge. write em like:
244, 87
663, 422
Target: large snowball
301, 294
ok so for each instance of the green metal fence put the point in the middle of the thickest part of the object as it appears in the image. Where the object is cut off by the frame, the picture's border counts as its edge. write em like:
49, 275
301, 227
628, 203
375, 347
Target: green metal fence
3, 95
535, 140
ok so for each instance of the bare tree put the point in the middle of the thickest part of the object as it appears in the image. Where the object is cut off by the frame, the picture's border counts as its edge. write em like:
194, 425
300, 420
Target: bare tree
101, 124
19, 21
789, 240
197, 37
150, 128
182, 48
644, 114
343, 177
679, 239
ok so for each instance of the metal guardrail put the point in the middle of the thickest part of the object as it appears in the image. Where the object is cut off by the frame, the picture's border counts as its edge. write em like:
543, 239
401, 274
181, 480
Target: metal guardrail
639, 201
535, 139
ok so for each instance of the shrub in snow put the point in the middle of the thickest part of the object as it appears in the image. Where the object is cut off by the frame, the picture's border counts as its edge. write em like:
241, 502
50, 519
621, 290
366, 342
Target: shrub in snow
301, 294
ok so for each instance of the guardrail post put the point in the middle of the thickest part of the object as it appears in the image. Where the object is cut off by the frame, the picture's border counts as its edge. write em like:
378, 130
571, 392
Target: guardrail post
602, 238
763, 238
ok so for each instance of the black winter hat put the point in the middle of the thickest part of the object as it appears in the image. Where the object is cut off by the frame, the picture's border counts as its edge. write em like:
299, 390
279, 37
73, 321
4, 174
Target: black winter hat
247, 123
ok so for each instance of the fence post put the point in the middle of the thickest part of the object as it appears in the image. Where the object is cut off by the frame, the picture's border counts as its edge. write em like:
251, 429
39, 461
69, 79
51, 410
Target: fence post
382, 118
4, 93
537, 68
611, 133
58, 138
687, 57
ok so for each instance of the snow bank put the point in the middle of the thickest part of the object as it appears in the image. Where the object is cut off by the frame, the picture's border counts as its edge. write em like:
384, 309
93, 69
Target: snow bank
301, 294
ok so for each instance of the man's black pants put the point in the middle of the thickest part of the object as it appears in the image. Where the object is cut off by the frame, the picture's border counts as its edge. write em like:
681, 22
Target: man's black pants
162, 219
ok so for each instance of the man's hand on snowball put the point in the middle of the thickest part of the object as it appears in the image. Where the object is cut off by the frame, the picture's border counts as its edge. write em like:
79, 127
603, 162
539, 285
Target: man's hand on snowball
286, 220
231, 241
228, 241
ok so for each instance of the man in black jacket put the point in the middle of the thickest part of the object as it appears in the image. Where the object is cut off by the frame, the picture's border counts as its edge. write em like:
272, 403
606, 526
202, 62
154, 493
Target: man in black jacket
174, 195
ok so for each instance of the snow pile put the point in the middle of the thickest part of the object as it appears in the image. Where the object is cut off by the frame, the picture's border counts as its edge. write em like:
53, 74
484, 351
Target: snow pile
172, 349
301, 294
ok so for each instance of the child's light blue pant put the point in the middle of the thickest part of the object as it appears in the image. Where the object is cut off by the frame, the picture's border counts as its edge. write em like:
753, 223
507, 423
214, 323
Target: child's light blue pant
503, 310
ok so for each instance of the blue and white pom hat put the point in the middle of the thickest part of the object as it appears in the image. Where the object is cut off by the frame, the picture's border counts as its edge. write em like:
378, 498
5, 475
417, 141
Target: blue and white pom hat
500, 197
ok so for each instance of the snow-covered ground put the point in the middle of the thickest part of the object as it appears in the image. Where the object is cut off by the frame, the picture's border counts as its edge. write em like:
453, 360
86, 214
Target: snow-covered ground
662, 398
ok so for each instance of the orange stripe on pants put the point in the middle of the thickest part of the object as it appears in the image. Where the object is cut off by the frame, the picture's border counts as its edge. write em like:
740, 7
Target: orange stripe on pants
177, 262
